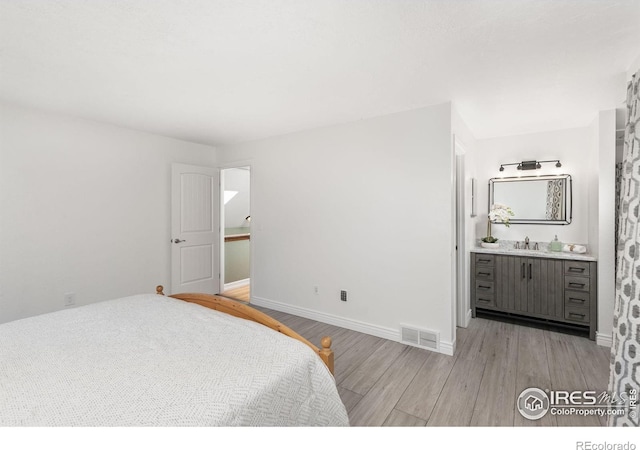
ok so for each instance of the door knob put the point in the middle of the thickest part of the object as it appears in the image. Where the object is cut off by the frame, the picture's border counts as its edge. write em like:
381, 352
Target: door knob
177, 241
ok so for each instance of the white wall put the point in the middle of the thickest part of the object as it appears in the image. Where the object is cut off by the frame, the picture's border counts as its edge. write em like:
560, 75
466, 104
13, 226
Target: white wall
364, 207
592, 158
606, 191
570, 147
601, 159
84, 208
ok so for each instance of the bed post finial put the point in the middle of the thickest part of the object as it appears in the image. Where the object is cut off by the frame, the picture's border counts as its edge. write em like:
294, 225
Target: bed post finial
326, 353
159, 289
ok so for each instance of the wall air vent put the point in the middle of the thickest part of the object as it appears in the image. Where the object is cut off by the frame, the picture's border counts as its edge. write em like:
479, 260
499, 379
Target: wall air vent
420, 338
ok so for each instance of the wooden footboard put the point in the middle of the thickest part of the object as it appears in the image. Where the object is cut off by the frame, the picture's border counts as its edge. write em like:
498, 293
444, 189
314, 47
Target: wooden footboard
246, 312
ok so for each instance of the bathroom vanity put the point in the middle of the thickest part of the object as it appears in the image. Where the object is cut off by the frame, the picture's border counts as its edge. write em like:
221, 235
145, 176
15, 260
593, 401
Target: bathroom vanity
542, 286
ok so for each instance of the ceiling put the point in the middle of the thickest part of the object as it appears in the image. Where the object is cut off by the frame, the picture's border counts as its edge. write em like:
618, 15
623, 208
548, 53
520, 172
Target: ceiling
223, 71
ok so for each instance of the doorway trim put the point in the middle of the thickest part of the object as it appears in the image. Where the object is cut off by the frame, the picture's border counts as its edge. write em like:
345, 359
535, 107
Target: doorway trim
461, 293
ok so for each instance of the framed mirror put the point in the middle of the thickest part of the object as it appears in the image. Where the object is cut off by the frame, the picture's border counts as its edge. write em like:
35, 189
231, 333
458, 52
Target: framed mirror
541, 200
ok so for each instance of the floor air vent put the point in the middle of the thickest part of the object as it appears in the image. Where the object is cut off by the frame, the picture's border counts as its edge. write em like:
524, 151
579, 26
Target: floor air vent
419, 338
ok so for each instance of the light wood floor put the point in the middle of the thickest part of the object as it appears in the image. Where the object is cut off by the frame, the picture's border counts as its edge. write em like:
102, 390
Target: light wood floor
242, 293
385, 383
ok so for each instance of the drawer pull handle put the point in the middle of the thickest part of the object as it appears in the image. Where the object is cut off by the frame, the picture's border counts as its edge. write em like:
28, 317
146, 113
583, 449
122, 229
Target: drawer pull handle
581, 316
522, 270
484, 260
576, 300
578, 285
484, 274
486, 300
576, 269
484, 287
529, 271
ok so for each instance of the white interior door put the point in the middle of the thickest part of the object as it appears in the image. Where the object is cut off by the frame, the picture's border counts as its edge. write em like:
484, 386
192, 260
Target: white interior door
195, 228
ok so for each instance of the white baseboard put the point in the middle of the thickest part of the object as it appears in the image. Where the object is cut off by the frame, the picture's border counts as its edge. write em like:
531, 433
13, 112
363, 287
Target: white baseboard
447, 348
604, 339
237, 284
386, 333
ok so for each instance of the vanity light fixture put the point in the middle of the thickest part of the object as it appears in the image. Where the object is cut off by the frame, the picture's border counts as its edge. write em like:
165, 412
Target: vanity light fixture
530, 165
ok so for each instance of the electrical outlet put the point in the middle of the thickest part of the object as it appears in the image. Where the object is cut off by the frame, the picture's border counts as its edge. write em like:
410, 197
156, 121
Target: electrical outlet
316, 290
343, 296
69, 299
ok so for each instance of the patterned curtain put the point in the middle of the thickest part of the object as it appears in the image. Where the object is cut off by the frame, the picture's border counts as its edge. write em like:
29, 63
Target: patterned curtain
625, 351
554, 200
618, 197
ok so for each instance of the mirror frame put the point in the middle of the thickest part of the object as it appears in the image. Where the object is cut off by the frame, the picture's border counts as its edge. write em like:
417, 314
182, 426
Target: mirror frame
568, 192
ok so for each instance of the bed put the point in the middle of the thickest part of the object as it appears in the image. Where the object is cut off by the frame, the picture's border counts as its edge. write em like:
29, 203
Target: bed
152, 360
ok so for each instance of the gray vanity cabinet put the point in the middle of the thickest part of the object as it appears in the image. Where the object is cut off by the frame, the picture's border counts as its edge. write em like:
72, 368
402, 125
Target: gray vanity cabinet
544, 289
533, 286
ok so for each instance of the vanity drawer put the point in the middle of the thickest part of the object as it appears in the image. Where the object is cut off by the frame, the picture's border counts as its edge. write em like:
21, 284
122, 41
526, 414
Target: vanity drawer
576, 314
576, 268
484, 300
576, 299
484, 288
483, 260
484, 273
576, 283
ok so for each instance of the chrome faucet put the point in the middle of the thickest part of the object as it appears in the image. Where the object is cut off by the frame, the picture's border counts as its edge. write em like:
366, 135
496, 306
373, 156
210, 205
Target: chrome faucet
516, 245
535, 246
526, 243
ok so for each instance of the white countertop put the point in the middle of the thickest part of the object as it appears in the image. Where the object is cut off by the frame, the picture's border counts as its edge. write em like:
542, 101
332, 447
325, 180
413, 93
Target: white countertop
508, 248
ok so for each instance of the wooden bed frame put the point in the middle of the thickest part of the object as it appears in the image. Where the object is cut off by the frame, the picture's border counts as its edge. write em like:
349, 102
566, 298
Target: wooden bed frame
246, 312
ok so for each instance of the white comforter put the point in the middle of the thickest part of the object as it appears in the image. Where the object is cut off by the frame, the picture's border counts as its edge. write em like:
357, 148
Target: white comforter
148, 360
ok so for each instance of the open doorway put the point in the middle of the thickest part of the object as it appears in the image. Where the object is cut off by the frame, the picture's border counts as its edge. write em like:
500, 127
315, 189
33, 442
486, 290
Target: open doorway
235, 222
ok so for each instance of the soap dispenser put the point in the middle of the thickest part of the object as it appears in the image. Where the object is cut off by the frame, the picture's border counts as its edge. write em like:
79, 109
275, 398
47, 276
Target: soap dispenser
556, 245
